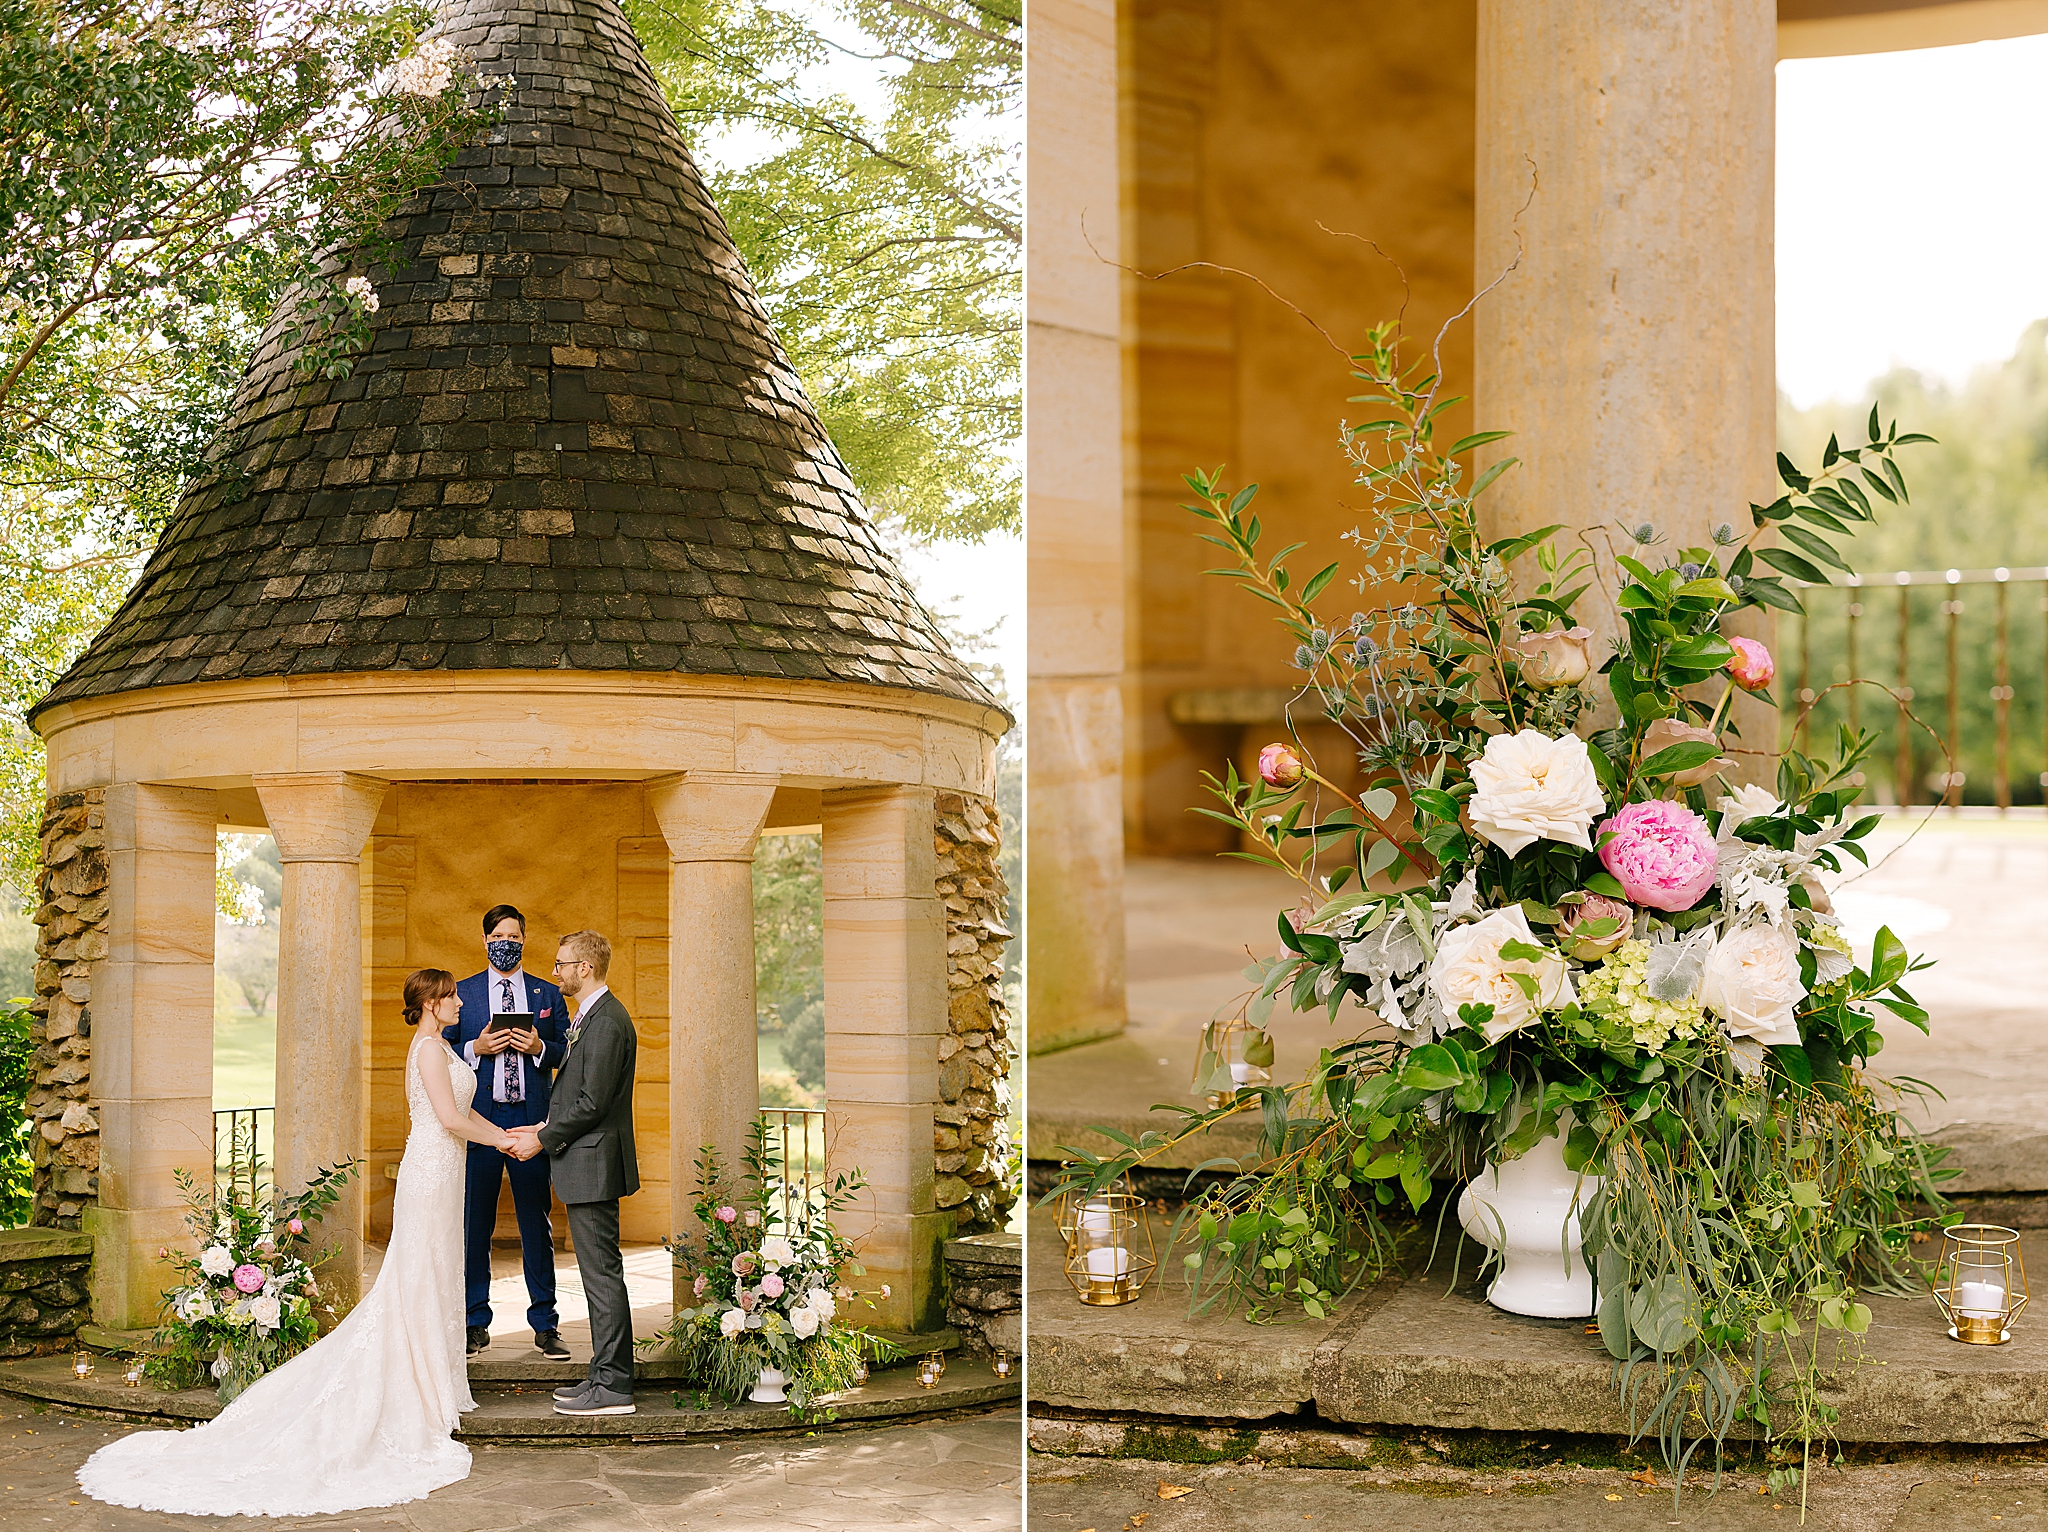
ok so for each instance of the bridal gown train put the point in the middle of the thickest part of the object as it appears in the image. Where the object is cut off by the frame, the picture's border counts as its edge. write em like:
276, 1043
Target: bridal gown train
363, 1417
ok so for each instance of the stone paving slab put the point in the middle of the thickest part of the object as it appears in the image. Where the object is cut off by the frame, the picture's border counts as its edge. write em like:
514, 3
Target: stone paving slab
1152, 1356
1424, 1352
523, 1414
1250, 1496
949, 1475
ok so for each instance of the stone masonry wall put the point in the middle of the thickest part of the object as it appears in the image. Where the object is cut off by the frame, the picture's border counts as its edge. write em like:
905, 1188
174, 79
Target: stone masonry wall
971, 1135
72, 908
43, 1297
985, 1292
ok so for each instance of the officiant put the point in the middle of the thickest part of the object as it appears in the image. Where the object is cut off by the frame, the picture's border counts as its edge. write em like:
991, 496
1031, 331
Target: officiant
511, 1032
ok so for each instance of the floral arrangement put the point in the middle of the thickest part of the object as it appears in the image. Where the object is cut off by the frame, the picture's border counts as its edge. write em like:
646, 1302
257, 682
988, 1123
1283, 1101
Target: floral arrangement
771, 1292
1619, 935
245, 1302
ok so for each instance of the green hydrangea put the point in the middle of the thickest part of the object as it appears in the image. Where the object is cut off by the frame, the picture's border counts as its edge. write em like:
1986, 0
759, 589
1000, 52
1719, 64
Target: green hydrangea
1618, 993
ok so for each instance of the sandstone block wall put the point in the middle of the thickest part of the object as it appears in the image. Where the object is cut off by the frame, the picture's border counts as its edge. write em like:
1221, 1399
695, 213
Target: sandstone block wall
71, 909
971, 1126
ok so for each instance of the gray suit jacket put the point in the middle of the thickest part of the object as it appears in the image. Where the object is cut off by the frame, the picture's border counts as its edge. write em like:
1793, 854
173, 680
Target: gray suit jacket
589, 1136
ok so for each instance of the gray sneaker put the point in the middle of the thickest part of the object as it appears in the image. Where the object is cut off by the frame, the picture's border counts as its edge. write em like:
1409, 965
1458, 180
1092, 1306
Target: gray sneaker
596, 1400
574, 1390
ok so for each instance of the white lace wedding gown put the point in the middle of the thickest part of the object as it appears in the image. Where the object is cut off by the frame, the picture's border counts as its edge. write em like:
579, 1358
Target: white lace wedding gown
363, 1417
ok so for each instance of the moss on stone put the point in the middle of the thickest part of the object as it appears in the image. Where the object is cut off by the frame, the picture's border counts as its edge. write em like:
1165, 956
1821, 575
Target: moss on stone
1168, 1444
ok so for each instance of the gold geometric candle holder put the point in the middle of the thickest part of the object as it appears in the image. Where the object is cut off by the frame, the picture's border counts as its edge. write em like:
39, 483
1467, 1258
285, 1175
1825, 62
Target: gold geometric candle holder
1984, 1286
1107, 1264
1074, 1207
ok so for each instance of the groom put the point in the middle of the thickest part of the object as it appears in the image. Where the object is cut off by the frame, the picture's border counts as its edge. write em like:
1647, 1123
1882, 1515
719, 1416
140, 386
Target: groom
588, 1137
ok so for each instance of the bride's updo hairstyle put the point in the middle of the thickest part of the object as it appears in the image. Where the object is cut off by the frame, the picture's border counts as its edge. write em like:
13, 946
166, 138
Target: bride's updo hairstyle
423, 988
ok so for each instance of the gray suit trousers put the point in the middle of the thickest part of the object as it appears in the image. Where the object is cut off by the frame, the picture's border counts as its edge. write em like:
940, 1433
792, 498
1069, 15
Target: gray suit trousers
594, 1226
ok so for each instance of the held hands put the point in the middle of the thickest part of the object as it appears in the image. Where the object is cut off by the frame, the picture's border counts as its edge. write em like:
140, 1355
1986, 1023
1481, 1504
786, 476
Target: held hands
522, 1143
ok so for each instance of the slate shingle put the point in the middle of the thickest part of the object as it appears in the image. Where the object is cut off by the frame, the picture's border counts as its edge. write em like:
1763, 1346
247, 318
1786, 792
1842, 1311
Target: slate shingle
574, 440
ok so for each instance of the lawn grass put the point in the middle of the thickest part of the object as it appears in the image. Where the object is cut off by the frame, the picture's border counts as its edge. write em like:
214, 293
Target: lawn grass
244, 1058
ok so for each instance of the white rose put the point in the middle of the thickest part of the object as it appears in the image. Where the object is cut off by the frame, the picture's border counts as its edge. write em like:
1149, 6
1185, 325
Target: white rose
215, 1261
1748, 802
804, 1322
775, 1252
822, 1304
1752, 983
266, 1311
1530, 787
731, 1322
1469, 970
1556, 659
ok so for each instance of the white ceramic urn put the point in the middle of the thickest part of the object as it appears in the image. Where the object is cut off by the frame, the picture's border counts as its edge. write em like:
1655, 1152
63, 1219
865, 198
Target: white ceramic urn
768, 1387
1527, 1209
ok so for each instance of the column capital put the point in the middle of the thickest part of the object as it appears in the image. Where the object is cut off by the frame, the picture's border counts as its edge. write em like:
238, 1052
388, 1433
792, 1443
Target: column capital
711, 816
320, 816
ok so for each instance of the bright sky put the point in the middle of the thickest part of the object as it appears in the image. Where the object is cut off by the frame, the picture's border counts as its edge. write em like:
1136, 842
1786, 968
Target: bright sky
1912, 212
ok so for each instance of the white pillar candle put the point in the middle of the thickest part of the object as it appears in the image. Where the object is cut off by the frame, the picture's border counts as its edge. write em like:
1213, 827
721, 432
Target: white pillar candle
1107, 1263
1241, 1072
1979, 1300
1095, 1217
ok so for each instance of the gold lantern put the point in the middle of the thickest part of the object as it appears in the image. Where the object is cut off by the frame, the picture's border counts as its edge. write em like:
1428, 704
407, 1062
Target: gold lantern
860, 1371
81, 1365
133, 1376
1984, 1282
1077, 1207
1002, 1364
1235, 1056
927, 1374
938, 1361
1105, 1265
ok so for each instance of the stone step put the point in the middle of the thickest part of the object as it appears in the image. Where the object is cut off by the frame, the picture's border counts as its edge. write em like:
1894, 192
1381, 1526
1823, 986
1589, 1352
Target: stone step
1423, 1352
526, 1413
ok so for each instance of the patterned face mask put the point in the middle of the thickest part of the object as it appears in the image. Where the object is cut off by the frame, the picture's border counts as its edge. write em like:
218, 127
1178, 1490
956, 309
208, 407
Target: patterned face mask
504, 955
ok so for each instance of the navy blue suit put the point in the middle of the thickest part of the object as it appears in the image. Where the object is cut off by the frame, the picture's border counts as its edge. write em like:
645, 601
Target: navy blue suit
529, 1178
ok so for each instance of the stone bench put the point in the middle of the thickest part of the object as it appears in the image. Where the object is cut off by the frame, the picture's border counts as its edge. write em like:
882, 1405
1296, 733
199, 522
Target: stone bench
43, 1297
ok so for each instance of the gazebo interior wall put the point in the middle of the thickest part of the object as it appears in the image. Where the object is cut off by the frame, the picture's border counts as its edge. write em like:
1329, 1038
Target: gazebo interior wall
571, 857
1239, 138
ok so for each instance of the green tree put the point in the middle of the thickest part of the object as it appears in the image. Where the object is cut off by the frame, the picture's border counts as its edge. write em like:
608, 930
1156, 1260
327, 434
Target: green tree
17, 1074
886, 243
1980, 501
175, 169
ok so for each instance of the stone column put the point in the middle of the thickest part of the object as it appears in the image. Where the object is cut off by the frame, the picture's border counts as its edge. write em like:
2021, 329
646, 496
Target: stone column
1633, 350
1075, 474
885, 1010
152, 1032
321, 821
711, 822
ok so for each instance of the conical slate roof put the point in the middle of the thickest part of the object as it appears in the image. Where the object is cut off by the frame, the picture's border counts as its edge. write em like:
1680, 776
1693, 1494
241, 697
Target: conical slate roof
575, 442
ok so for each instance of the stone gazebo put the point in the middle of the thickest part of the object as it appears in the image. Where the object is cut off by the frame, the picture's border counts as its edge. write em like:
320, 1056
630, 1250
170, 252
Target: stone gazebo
561, 598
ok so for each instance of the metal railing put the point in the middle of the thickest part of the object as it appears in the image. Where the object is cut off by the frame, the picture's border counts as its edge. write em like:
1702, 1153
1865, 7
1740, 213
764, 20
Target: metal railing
244, 1141
1977, 720
796, 1140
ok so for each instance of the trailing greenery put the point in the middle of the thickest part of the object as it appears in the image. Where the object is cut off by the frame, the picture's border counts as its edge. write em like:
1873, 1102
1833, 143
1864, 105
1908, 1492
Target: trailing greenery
1666, 990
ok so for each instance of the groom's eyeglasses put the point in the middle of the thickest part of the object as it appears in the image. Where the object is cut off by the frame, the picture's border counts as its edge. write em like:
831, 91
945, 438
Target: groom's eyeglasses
572, 963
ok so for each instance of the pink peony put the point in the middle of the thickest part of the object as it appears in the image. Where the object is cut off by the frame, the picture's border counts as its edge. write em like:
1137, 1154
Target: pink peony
1279, 766
745, 1299
771, 1286
1752, 668
297, 1226
249, 1279
727, 1215
1662, 852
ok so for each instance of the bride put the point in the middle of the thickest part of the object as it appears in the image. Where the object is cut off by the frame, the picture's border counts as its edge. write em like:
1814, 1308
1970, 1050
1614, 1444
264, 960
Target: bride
365, 1416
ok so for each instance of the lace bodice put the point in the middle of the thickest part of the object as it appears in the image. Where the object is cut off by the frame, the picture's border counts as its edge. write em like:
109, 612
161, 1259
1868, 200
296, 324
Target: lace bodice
364, 1418
428, 1142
